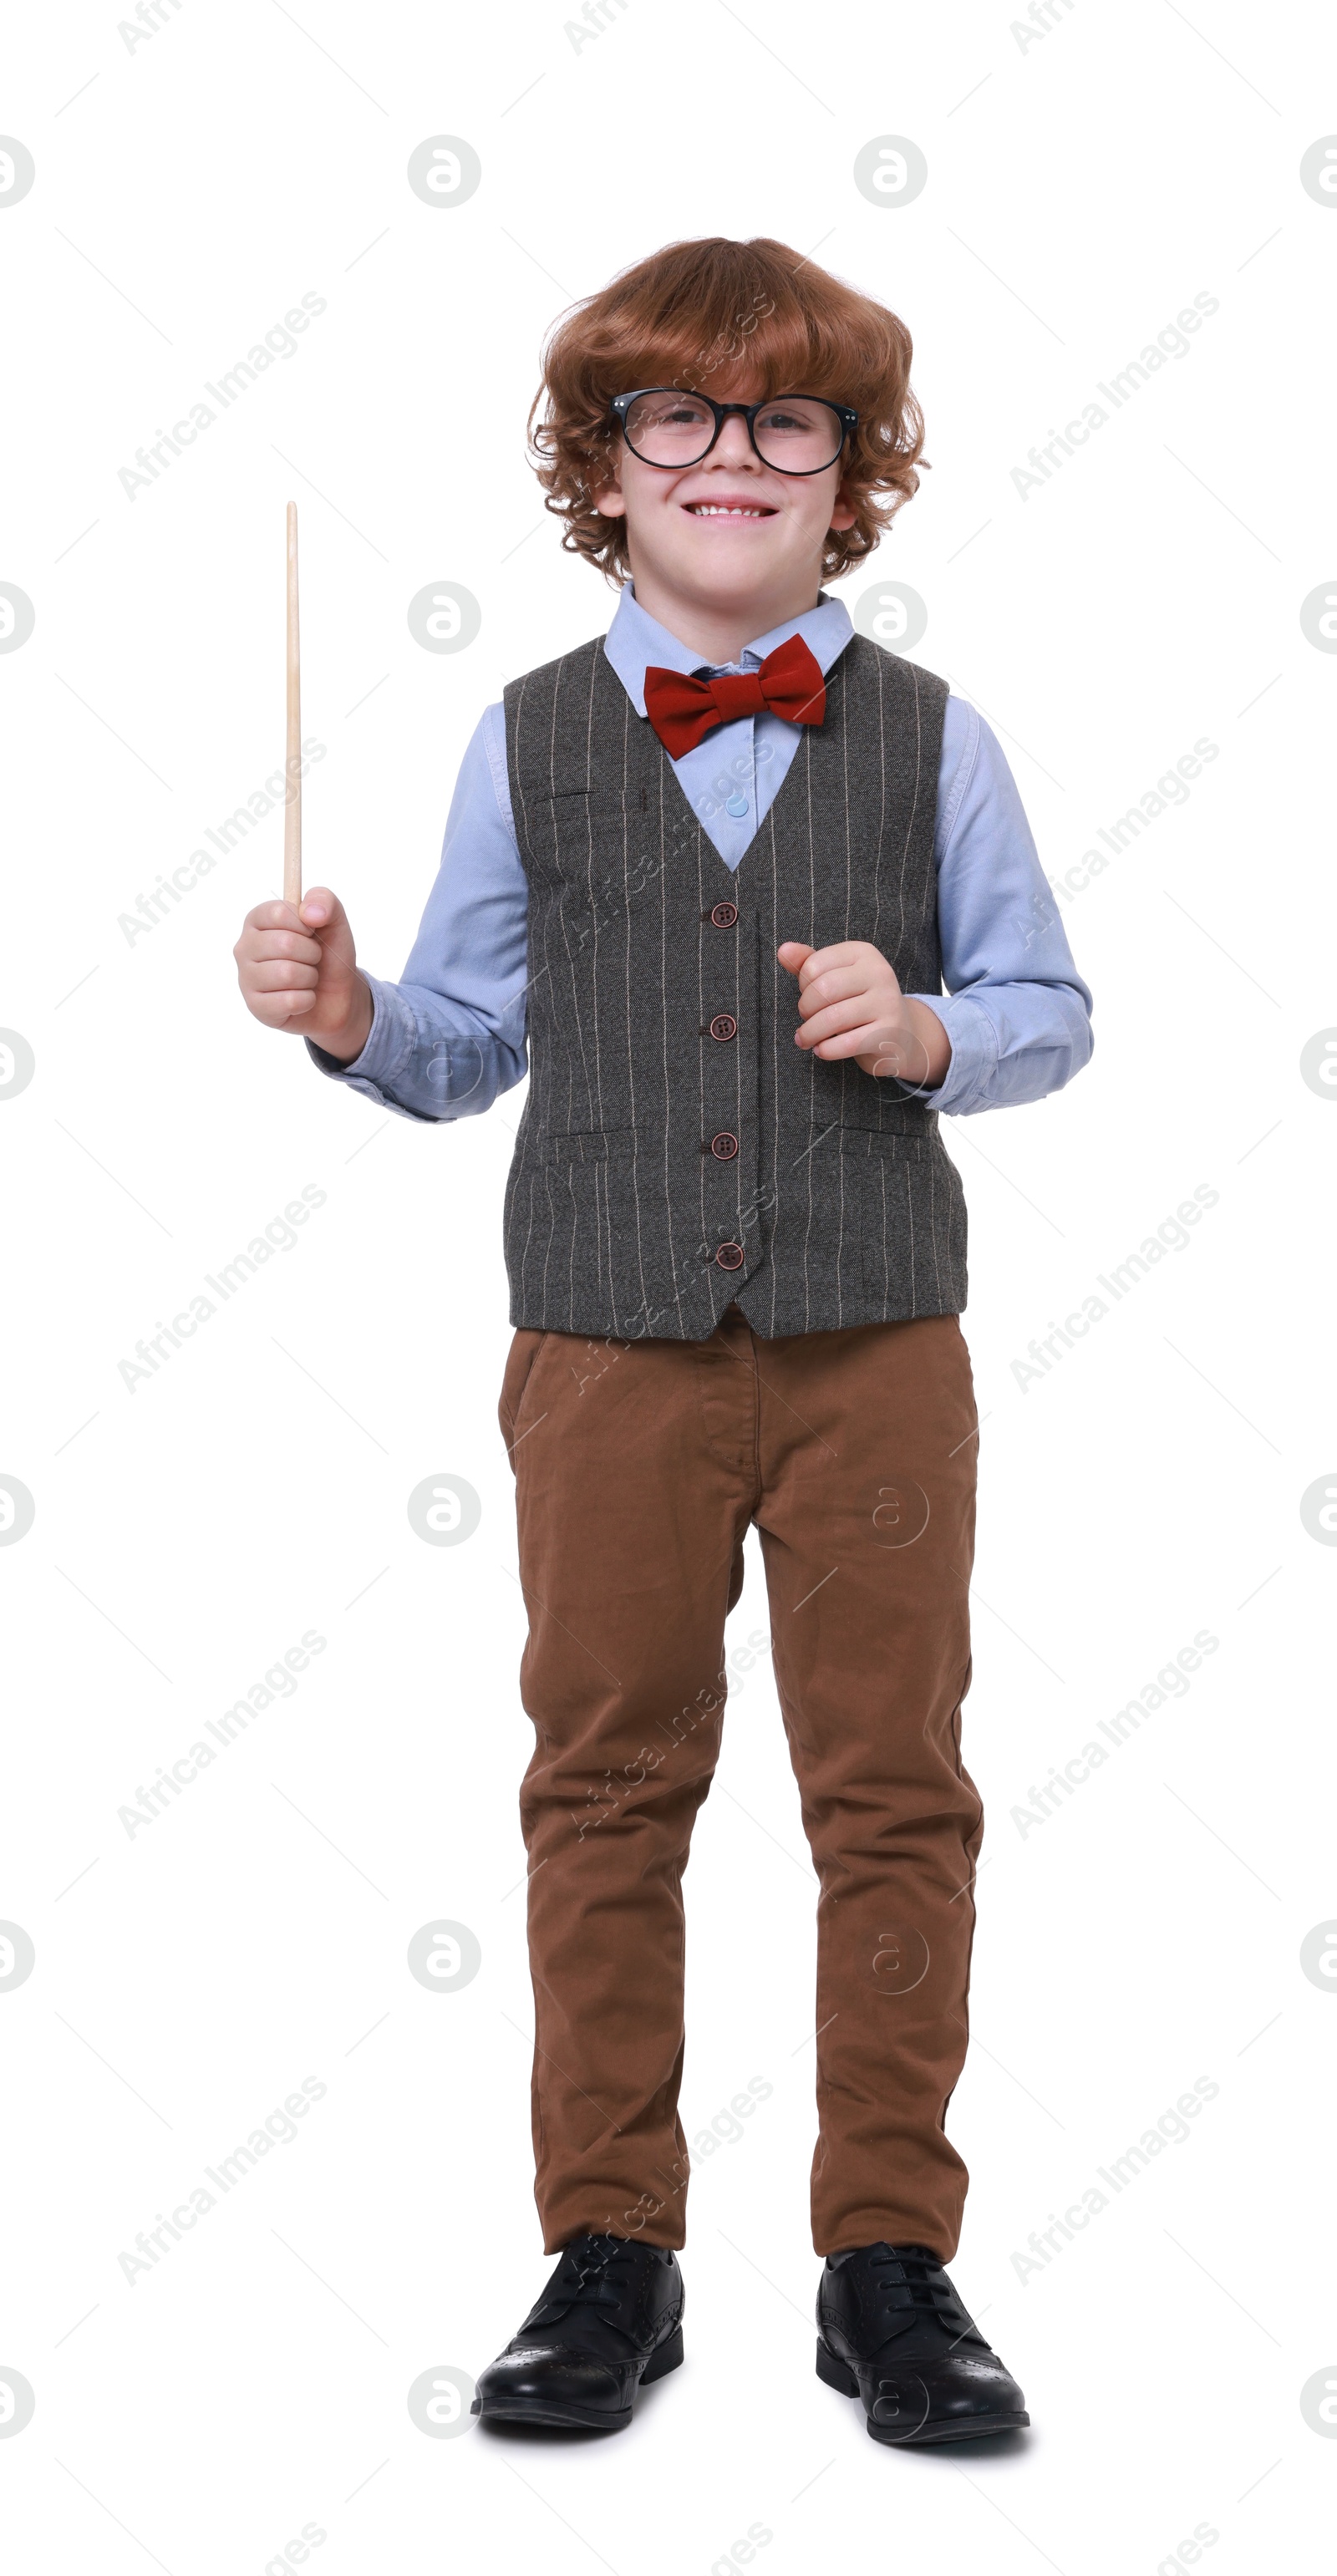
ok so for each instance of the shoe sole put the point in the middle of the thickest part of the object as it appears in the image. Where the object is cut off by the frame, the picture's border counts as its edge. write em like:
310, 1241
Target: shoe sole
573, 2418
837, 2374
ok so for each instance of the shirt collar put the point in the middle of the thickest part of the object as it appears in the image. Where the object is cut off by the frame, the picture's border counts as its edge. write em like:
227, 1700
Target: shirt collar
635, 640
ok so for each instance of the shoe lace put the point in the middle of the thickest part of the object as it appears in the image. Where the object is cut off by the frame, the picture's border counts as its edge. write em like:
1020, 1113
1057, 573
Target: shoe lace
910, 2279
595, 2271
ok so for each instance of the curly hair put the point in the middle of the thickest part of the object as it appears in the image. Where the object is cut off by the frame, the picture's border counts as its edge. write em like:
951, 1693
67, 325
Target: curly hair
696, 308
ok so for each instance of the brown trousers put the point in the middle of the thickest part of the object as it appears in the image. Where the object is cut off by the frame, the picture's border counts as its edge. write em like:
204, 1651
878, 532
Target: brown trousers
638, 1470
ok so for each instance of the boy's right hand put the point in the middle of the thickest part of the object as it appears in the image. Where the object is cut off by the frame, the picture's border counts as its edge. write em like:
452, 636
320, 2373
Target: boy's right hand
298, 971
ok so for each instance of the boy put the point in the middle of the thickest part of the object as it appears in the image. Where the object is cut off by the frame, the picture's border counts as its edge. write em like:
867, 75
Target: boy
716, 867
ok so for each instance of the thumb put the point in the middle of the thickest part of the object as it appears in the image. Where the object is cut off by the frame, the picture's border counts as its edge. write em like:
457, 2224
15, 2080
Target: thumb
791, 954
321, 910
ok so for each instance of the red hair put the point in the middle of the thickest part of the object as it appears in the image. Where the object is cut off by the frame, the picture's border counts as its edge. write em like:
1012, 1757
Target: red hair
698, 309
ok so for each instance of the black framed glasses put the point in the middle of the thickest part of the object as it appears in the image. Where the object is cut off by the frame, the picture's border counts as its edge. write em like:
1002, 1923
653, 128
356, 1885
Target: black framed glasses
792, 433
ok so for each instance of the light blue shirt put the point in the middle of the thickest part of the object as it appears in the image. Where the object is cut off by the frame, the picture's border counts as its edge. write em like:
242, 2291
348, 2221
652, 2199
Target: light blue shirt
450, 1036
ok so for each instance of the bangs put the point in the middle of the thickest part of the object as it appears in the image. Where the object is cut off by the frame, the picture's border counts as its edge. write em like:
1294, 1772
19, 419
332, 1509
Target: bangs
704, 309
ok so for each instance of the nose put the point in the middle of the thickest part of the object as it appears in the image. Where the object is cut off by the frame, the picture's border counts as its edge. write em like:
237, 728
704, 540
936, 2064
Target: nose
733, 447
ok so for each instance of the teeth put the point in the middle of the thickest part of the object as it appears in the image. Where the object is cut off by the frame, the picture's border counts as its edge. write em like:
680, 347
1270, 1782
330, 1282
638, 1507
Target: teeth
715, 510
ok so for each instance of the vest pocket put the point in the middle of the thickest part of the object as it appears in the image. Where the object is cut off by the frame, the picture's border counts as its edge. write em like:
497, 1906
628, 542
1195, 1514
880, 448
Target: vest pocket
573, 804
594, 1145
565, 828
874, 1144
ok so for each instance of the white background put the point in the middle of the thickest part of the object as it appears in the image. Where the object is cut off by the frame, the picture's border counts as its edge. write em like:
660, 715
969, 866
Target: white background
1082, 188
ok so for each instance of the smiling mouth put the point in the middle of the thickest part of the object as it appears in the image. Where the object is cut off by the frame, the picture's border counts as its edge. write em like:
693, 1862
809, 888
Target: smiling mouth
727, 510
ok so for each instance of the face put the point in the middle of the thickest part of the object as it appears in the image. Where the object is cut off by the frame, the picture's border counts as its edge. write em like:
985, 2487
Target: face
730, 533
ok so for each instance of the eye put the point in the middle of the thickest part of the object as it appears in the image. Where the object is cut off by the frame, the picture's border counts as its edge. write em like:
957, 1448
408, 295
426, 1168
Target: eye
669, 411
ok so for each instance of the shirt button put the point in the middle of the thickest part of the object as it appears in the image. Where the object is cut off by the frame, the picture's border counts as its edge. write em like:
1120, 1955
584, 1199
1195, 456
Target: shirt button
724, 1148
730, 1256
724, 915
736, 804
723, 1026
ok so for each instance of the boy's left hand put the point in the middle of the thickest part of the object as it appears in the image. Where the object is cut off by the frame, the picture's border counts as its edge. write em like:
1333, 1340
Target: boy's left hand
850, 1004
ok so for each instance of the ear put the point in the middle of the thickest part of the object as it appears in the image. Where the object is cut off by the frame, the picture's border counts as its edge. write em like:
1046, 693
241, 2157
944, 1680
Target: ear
609, 498
843, 514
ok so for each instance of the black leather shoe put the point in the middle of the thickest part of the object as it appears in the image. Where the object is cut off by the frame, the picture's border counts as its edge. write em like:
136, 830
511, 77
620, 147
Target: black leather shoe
892, 2330
609, 2321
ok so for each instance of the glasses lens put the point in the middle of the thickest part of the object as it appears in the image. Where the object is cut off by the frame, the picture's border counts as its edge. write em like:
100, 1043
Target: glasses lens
798, 435
668, 428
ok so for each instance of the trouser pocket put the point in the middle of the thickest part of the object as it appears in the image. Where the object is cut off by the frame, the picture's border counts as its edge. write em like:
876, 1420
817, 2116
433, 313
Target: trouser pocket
524, 1351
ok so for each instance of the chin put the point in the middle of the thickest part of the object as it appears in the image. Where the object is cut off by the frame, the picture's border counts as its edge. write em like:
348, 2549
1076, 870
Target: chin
727, 567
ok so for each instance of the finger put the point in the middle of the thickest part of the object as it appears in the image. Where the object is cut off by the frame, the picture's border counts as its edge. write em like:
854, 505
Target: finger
276, 1009
281, 975
902, 1058
871, 1039
791, 953
320, 907
269, 944
275, 915
836, 985
843, 952
838, 1016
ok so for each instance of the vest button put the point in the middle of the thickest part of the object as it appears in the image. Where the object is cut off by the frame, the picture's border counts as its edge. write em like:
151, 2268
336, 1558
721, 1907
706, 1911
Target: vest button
724, 915
724, 1148
730, 1256
724, 1025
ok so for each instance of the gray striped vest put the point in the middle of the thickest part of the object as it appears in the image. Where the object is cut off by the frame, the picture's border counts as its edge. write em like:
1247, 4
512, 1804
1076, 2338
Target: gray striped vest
677, 1151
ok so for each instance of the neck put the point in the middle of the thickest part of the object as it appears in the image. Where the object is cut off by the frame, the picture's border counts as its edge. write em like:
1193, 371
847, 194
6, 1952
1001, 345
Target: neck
718, 631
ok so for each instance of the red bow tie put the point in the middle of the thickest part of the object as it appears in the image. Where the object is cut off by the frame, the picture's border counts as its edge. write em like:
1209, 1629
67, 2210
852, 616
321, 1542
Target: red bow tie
684, 710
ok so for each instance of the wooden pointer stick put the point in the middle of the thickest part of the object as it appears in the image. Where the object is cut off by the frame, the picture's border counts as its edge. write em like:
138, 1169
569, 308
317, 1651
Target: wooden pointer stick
292, 808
